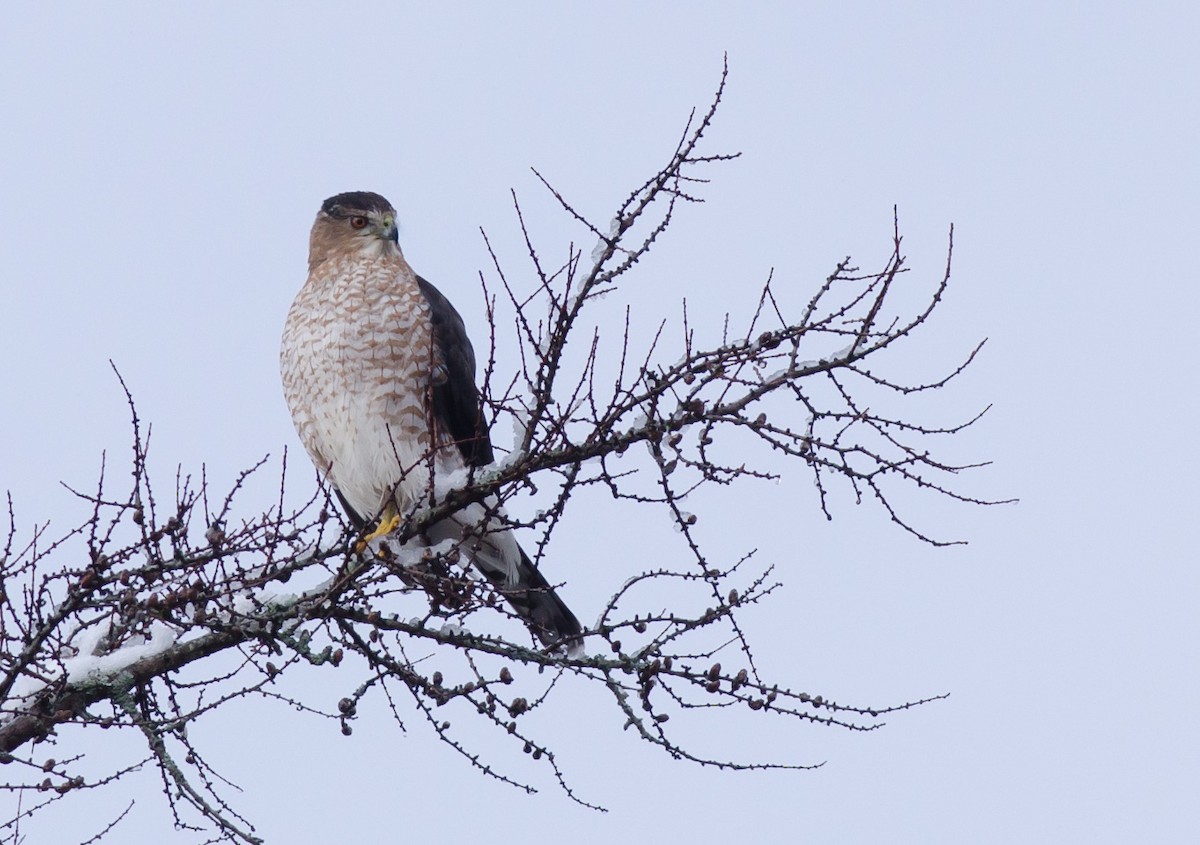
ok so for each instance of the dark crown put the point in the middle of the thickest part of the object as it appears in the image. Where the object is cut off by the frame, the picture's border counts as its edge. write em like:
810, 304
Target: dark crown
356, 202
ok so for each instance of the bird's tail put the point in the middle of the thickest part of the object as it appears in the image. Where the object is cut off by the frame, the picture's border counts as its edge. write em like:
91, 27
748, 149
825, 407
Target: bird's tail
535, 601
504, 563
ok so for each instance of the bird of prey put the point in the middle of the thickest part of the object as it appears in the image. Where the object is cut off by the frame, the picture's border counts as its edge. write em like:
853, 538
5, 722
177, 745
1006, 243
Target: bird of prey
380, 378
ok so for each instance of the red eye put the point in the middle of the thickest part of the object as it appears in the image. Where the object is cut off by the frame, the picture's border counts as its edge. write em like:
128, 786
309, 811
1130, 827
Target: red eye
358, 222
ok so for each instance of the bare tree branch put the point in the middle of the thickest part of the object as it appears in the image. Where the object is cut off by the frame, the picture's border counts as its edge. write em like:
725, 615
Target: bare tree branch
157, 611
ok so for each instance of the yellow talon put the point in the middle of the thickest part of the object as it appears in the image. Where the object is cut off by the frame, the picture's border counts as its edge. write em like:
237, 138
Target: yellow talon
388, 522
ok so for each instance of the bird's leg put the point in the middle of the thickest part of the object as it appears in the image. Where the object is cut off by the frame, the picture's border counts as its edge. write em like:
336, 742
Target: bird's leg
389, 521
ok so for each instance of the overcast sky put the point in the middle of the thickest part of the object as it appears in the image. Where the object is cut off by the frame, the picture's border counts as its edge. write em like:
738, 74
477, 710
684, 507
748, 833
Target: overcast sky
160, 168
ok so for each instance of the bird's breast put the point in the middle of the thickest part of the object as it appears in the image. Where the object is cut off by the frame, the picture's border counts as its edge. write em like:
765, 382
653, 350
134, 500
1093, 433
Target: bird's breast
356, 359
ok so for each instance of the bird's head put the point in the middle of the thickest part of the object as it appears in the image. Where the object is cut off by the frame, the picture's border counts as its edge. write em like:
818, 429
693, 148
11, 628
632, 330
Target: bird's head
359, 222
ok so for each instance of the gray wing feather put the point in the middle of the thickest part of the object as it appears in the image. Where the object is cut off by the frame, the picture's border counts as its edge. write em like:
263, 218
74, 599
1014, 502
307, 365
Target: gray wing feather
456, 402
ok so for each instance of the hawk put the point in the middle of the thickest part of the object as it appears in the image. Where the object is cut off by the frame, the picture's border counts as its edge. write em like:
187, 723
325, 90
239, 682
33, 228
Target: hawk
379, 375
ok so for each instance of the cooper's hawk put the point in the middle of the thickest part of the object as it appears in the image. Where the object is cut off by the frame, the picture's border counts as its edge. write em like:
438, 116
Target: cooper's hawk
380, 379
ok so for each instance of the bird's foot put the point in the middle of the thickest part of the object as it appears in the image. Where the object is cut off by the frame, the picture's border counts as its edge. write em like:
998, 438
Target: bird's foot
387, 525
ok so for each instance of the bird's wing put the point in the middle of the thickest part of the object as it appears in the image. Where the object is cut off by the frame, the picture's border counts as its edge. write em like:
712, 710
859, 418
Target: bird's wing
456, 404
458, 411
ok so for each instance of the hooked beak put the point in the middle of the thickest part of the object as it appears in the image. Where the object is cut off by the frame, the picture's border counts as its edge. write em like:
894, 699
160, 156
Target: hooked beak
386, 229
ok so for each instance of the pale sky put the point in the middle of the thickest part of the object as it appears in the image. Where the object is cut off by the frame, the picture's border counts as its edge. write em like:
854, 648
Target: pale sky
161, 166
